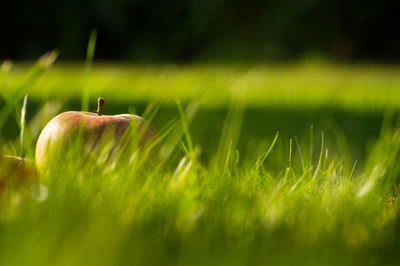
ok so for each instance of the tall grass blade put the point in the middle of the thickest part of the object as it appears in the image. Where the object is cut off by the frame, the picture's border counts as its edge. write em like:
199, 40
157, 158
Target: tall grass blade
88, 68
264, 156
185, 127
320, 156
23, 121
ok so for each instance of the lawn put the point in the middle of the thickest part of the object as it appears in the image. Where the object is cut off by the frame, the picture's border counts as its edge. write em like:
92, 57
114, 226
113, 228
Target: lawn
280, 164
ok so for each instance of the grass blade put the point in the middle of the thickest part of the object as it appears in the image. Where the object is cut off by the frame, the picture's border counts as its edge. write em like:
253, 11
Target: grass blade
23, 120
88, 68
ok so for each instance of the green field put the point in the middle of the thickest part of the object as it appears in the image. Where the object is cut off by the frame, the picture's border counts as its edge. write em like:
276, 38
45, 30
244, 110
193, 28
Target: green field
274, 164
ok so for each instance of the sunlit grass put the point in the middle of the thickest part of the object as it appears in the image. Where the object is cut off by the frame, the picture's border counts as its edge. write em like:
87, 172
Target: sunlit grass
314, 208
308, 85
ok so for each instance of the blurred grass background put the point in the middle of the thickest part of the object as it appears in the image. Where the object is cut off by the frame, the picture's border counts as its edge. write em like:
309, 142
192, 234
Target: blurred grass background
348, 101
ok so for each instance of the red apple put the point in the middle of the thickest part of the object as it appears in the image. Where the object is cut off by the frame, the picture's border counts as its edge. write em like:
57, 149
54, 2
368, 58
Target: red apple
86, 132
15, 172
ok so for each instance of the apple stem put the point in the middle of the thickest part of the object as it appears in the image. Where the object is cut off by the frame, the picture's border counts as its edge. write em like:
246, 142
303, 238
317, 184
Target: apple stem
100, 104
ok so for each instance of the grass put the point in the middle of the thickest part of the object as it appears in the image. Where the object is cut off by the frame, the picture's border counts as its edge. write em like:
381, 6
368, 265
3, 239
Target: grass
243, 199
304, 84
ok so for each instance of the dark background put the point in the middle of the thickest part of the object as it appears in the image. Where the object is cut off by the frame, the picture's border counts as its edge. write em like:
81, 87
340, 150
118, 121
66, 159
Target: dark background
203, 30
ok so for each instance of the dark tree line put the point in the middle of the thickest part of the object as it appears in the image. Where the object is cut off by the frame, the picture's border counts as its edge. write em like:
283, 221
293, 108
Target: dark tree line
187, 30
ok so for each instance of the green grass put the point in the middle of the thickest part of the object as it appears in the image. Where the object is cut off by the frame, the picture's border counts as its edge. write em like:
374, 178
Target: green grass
223, 192
307, 84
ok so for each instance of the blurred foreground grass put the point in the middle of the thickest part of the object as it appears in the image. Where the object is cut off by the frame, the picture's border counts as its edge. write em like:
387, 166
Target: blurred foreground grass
297, 198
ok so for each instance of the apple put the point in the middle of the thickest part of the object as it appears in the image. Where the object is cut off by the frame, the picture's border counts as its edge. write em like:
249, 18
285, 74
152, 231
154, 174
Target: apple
86, 134
16, 172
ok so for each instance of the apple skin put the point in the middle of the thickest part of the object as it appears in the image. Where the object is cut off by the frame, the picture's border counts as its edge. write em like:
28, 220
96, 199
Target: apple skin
16, 172
91, 132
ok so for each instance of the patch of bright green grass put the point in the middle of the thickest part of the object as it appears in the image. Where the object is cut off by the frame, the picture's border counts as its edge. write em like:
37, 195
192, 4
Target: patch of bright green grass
308, 85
